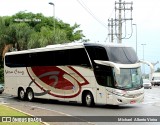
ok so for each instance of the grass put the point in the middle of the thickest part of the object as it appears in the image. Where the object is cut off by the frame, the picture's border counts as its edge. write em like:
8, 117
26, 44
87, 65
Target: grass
6, 111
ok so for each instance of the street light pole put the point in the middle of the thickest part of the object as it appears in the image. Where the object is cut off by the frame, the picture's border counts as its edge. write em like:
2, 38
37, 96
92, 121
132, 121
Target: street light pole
143, 56
136, 37
53, 14
143, 50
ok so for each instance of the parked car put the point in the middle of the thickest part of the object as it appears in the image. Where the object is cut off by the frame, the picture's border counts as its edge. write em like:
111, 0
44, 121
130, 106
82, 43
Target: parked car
1, 88
147, 84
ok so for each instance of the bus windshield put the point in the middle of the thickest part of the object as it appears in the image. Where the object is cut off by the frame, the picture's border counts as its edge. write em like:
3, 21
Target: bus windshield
123, 55
129, 79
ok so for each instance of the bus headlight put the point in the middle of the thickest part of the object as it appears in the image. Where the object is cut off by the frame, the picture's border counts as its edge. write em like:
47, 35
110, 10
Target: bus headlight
119, 92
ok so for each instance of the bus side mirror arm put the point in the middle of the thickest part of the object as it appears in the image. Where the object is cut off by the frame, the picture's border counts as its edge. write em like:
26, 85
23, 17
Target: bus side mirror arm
149, 64
108, 63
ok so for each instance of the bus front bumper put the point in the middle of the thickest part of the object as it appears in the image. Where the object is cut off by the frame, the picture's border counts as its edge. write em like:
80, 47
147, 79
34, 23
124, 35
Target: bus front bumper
121, 100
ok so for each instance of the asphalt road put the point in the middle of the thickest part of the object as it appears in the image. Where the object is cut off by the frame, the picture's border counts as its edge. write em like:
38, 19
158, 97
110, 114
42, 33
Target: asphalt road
150, 107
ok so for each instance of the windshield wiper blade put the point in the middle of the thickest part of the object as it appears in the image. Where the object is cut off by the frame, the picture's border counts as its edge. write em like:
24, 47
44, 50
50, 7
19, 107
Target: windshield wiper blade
122, 88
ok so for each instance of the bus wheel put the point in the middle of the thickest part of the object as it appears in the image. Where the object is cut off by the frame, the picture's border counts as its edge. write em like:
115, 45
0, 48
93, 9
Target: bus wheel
89, 100
21, 94
30, 95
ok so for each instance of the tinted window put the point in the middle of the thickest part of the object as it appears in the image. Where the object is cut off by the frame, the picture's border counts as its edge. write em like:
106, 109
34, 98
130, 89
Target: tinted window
45, 58
97, 53
16, 60
61, 57
79, 57
50, 58
104, 76
124, 55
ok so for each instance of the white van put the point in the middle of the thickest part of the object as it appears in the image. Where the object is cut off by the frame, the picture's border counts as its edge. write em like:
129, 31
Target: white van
156, 78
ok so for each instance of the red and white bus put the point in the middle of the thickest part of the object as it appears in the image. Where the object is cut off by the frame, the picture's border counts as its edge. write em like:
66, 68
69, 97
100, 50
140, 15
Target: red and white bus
88, 73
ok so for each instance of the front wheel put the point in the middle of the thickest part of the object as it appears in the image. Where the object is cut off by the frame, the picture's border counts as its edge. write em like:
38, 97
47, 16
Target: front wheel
89, 100
30, 95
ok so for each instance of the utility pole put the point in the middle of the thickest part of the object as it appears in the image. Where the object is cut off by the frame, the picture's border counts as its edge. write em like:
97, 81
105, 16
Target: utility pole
143, 50
117, 22
53, 15
143, 58
110, 24
136, 37
120, 23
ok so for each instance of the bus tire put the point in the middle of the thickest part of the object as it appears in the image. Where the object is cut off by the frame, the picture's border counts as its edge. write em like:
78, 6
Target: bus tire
21, 94
30, 94
89, 100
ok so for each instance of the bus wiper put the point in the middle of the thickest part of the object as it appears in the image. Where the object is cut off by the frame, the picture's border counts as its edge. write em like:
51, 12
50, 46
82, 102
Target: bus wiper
138, 86
122, 88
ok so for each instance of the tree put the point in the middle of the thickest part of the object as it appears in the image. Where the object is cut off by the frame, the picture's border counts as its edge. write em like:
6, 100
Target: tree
3, 36
72, 32
27, 30
19, 34
158, 70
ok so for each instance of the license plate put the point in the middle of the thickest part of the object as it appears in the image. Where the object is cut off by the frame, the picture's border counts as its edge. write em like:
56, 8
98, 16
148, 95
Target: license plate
132, 102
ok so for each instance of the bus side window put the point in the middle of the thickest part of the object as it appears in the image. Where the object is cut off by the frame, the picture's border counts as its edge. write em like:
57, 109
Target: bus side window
45, 58
79, 57
61, 57
16, 60
101, 53
109, 81
97, 53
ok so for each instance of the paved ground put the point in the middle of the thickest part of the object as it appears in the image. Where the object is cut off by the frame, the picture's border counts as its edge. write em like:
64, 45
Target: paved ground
35, 111
150, 107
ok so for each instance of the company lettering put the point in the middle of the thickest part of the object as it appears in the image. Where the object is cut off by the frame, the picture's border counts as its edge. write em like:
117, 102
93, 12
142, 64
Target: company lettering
16, 71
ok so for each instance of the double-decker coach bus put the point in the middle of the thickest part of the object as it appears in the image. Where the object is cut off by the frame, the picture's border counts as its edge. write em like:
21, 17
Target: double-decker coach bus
88, 73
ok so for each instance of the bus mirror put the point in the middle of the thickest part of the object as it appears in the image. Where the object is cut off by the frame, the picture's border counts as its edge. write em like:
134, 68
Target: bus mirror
108, 63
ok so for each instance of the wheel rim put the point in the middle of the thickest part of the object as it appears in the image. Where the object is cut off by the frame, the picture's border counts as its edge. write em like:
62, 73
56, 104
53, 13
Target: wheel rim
88, 100
30, 95
22, 94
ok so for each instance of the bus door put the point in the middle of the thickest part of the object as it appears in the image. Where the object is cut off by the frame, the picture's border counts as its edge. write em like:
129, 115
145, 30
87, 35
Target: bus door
102, 73
101, 95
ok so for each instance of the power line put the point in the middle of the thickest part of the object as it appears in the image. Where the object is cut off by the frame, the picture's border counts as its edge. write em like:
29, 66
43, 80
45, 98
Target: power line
111, 13
91, 13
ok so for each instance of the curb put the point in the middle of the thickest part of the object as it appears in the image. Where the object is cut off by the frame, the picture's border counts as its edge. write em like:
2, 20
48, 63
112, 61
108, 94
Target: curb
21, 112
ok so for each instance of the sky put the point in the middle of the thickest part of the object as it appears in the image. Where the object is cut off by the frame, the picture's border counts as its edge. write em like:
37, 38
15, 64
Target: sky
145, 14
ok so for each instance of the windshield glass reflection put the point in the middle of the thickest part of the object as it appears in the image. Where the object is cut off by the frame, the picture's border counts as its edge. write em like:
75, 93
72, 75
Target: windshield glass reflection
129, 79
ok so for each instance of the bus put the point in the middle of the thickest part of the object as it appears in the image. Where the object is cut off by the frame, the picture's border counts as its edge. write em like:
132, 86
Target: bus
87, 73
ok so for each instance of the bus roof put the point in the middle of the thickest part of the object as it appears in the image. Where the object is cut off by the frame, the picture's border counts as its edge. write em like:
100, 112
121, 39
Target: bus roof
72, 45
49, 48
106, 44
